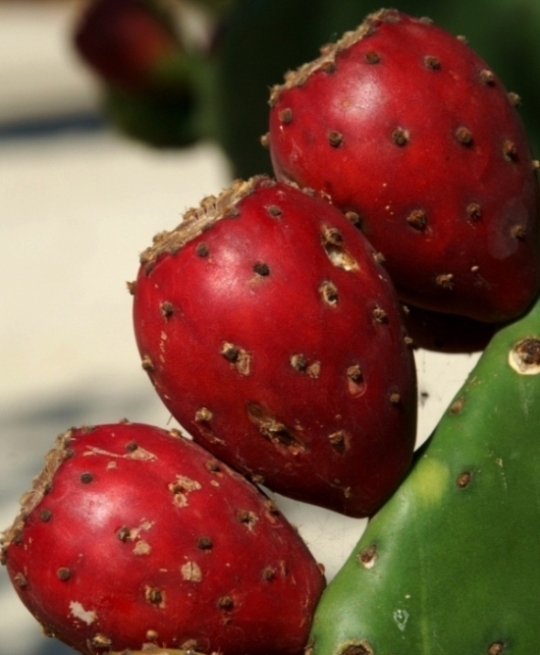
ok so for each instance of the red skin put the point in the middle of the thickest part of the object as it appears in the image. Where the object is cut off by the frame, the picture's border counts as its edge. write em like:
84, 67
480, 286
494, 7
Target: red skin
481, 202
218, 298
215, 568
123, 41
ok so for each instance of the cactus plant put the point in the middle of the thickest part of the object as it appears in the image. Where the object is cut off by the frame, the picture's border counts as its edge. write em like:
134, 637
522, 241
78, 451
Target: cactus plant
152, 78
451, 563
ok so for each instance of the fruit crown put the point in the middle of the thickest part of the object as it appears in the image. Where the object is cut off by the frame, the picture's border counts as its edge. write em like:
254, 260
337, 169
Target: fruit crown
40, 487
330, 52
200, 219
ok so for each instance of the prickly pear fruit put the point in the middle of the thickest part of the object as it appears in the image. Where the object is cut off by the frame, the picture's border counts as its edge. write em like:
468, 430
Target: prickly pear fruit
412, 134
126, 41
273, 335
451, 563
133, 536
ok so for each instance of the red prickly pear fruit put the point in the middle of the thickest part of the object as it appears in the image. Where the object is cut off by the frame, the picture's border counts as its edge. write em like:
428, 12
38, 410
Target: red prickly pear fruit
273, 335
133, 536
446, 333
404, 125
125, 42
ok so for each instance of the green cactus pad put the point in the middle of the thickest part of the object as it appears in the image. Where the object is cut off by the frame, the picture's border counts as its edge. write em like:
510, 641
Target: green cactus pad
451, 563
161, 122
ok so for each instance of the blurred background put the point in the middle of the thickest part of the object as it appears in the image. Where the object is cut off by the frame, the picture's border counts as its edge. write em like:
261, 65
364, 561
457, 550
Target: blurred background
95, 159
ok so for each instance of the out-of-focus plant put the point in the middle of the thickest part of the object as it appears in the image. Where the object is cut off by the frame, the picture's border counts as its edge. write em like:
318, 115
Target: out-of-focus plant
167, 84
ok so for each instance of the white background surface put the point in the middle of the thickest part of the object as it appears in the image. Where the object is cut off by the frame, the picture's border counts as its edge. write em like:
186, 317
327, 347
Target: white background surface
75, 211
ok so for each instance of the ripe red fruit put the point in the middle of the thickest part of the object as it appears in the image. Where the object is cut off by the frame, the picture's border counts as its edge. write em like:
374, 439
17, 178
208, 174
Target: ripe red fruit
274, 336
125, 41
134, 536
404, 126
